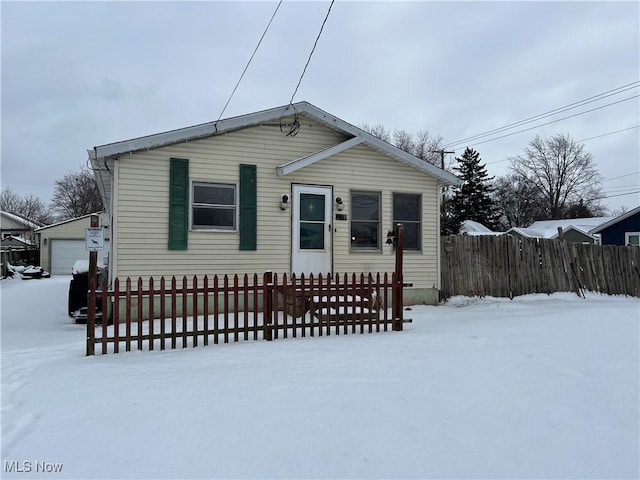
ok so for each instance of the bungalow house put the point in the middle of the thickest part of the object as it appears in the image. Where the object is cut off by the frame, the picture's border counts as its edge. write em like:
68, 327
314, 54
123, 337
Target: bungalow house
17, 240
291, 189
62, 243
621, 230
12, 225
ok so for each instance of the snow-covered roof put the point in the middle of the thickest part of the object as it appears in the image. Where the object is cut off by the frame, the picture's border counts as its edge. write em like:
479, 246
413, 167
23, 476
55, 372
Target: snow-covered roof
615, 220
471, 226
99, 155
32, 224
482, 234
526, 232
19, 239
549, 228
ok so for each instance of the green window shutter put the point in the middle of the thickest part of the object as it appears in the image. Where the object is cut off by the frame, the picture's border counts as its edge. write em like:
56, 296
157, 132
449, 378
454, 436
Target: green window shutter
178, 203
248, 208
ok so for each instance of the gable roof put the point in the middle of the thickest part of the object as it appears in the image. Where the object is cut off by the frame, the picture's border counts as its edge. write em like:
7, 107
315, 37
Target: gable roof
16, 241
615, 220
549, 228
475, 229
526, 232
28, 224
99, 154
68, 221
575, 229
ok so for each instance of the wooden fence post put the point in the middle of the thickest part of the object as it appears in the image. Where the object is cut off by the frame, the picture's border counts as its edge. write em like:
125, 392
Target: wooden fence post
91, 303
566, 250
396, 291
91, 318
267, 283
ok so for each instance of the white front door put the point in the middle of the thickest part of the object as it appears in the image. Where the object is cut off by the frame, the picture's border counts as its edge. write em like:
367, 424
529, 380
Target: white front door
311, 238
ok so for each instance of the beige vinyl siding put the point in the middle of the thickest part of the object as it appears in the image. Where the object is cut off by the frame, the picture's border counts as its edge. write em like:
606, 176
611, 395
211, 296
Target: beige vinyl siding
362, 168
141, 205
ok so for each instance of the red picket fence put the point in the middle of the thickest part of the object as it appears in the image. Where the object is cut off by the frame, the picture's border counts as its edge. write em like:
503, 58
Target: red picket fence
169, 314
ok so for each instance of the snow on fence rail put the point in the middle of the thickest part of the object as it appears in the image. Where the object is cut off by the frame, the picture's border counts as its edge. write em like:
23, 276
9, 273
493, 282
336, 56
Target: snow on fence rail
161, 314
507, 266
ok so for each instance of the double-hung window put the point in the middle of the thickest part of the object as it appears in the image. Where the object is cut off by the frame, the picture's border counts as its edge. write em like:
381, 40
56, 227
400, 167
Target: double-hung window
365, 221
407, 211
214, 206
632, 239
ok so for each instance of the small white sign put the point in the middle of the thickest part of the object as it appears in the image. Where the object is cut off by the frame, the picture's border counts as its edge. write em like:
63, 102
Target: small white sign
94, 239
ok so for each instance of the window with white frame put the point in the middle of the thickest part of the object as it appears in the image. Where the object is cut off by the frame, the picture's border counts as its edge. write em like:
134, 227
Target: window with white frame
213, 206
407, 211
365, 221
632, 239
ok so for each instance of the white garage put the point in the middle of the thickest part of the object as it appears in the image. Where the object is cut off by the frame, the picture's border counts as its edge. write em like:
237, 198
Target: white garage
64, 254
61, 244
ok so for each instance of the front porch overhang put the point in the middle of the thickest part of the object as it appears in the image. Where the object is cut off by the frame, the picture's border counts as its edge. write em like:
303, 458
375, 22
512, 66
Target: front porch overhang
307, 160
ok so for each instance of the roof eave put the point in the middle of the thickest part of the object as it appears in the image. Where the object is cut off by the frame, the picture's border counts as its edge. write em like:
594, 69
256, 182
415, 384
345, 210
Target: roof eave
619, 218
234, 123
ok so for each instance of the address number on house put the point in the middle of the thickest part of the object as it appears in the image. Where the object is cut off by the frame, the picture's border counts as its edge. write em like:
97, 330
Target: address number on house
94, 239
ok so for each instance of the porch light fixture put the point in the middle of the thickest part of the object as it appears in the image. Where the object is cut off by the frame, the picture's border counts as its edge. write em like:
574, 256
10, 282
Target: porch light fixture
284, 201
339, 204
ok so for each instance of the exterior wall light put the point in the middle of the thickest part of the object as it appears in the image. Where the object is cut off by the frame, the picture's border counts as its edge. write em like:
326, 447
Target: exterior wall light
284, 201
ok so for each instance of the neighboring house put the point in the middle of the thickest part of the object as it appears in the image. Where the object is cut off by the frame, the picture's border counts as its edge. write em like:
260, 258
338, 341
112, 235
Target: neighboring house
16, 242
61, 244
12, 225
473, 228
621, 230
292, 189
576, 230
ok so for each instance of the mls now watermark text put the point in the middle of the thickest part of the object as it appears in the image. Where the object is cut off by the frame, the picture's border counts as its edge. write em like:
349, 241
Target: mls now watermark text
27, 466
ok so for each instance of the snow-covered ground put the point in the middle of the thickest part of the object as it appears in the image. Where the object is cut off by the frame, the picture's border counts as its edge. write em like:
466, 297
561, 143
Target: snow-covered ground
538, 387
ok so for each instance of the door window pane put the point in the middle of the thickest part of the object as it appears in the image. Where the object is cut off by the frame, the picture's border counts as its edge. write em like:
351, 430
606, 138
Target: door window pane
311, 207
311, 236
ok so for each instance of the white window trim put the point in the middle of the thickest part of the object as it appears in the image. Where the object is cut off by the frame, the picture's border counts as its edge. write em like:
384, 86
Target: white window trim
377, 249
421, 221
236, 188
630, 234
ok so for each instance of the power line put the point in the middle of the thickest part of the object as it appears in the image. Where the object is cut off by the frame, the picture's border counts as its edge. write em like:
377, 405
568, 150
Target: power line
552, 121
249, 62
610, 133
620, 187
311, 54
621, 194
570, 106
621, 176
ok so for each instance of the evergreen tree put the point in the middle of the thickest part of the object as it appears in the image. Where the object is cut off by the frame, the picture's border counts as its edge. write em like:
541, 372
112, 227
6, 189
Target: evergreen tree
472, 200
450, 222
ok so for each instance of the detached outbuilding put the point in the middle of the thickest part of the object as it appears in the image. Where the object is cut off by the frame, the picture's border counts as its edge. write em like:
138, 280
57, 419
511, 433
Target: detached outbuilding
62, 243
292, 189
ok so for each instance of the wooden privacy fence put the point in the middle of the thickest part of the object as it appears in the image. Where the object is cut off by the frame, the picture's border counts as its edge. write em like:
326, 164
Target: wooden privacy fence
169, 314
508, 266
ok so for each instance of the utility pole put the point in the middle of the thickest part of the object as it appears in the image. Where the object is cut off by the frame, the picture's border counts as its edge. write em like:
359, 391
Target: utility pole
442, 153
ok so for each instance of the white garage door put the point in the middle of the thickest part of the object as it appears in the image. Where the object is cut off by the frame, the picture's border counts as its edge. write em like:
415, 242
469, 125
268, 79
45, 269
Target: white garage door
64, 254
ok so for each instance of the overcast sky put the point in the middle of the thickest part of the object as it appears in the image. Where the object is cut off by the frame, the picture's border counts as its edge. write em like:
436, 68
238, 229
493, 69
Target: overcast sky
80, 74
